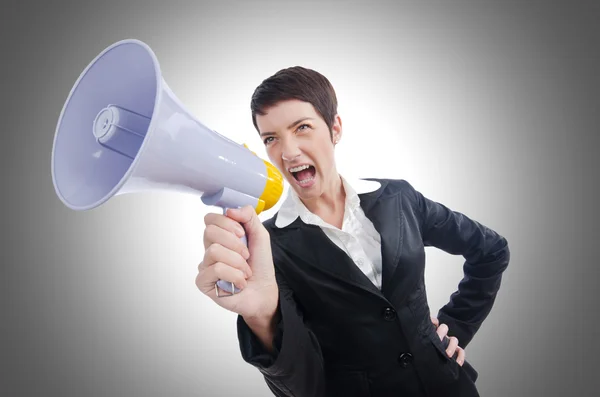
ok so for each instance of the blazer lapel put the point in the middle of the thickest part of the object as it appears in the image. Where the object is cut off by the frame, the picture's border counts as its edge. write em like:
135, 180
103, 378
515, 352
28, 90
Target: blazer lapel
387, 217
311, 245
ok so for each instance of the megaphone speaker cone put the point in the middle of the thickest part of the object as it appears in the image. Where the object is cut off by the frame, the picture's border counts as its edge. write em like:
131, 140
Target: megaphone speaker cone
96, 143
122, 130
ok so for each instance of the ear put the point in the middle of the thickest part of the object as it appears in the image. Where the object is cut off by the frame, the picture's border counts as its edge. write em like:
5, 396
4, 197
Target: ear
336, 129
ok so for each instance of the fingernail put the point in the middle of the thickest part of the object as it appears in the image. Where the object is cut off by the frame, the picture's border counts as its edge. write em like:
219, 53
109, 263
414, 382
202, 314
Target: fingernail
240, 231
246, 253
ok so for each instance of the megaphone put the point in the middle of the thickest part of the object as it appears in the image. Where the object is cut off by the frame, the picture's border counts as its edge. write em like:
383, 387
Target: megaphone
122, 130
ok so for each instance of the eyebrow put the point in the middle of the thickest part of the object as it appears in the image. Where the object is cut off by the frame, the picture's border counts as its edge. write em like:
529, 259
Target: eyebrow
289, 127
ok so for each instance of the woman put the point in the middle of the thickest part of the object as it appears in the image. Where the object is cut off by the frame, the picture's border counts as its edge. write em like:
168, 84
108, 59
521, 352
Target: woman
332, 299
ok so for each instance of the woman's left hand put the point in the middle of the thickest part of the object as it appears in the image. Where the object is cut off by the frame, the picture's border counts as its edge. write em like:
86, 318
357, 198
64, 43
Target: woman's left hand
453, 347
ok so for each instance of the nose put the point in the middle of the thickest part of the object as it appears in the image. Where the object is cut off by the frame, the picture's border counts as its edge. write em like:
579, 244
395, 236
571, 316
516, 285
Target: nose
290, 150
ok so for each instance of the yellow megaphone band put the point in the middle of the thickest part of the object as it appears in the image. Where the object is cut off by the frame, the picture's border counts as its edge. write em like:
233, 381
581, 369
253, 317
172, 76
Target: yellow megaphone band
273, 188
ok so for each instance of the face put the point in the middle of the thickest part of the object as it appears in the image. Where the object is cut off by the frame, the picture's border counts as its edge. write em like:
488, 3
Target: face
299, 144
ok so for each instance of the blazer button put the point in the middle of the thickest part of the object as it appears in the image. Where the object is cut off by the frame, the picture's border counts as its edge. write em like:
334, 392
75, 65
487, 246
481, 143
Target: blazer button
405, 359
389, 314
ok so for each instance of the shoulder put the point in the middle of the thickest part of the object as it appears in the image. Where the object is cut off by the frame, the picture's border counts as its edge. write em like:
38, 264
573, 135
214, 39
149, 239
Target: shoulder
392, 187
269, 224
276, 233
388, 188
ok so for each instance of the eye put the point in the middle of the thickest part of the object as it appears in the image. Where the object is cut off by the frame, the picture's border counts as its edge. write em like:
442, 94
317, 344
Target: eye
268, 140
301, 127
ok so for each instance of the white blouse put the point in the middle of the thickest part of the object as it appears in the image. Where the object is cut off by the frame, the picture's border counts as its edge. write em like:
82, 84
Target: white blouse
357, 237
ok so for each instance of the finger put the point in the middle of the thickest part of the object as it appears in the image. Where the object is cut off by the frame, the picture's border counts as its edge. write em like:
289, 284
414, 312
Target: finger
222, 271
435, 321
218, 253
461, 356
204, 281
229, 274
442, 330
224, 222
216, 234
452, 346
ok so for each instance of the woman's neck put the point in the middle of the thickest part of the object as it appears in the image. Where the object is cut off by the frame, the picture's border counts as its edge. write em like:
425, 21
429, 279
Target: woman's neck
330, 205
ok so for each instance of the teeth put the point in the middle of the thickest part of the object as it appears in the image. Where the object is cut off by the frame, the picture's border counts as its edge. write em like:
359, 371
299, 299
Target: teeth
299, 168
306, 180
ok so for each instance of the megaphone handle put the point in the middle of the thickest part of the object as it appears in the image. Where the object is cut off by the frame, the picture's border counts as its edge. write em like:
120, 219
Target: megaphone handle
225, 285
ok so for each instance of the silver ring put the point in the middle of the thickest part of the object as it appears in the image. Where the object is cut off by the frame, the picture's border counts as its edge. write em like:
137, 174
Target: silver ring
220, 296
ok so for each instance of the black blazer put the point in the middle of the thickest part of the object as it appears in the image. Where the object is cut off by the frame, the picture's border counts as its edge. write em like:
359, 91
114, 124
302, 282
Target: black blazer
338, 335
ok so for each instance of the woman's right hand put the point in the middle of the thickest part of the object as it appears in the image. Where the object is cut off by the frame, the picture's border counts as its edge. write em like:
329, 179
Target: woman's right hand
249, 268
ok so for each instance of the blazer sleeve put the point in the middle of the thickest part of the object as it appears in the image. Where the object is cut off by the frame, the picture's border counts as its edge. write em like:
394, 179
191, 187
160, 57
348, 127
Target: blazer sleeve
295, 368
486, 256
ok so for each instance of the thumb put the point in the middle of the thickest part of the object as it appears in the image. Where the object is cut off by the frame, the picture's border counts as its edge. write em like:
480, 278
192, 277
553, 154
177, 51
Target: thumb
247, 217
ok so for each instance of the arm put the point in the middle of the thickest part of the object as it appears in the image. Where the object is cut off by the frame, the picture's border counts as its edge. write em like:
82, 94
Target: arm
293, 364
486, 256
264, 328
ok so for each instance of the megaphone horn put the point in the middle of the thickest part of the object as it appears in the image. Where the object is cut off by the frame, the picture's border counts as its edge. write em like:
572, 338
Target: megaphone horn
122, 130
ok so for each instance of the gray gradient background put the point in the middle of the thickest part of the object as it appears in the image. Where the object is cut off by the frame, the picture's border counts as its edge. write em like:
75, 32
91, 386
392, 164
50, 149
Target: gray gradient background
491, 108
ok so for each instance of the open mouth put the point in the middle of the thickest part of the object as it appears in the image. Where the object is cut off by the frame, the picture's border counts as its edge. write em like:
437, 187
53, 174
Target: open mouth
303, 173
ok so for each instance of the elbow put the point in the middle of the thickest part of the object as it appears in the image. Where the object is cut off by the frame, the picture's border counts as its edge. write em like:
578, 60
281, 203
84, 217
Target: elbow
502, 254
490, 262
506, 248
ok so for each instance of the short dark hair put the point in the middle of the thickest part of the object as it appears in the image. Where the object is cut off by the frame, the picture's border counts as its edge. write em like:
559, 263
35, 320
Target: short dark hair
299, 83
